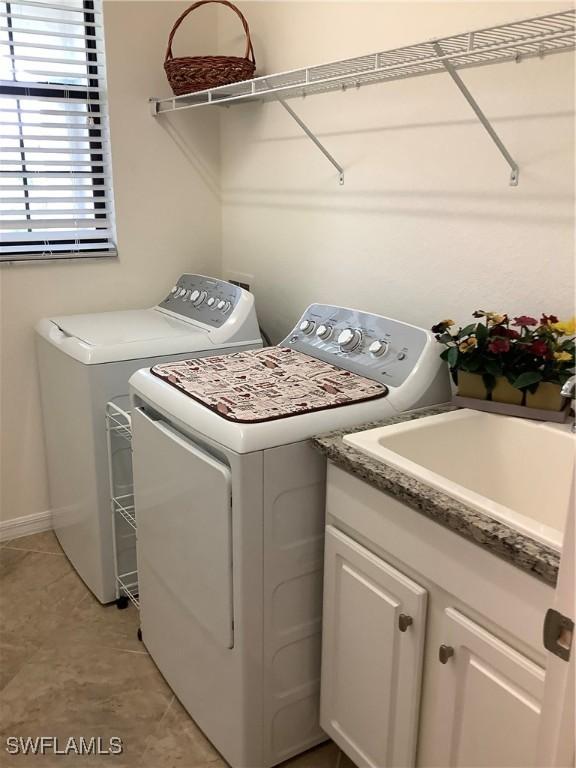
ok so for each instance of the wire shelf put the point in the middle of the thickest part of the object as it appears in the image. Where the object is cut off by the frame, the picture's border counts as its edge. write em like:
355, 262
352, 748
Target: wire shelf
118, 421
124, 506
539, 36
119, 443
128, 585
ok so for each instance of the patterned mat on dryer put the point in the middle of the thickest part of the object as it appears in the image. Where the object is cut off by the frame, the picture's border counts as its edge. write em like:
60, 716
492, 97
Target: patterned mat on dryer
265, 384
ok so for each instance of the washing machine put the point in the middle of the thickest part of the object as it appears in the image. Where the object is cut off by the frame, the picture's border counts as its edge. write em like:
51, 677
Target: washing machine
229, 496
86, 361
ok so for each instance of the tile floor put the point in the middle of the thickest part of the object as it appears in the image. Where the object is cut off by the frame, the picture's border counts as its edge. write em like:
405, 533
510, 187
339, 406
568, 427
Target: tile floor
72, 667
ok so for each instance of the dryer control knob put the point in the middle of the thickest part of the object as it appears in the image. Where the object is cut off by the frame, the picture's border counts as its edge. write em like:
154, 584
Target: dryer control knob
211, 302
324, 331
307, 326
195, 295
174, 289
223, 305
378, 348
199, 299
349, 339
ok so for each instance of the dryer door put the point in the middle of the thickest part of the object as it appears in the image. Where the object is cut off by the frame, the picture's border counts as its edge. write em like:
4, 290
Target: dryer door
183, 500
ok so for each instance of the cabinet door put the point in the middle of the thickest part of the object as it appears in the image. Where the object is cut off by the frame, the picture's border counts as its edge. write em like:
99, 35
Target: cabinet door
489, 696
371, 657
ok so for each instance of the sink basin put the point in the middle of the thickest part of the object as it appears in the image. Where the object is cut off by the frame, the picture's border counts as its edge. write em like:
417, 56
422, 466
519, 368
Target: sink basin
513, 470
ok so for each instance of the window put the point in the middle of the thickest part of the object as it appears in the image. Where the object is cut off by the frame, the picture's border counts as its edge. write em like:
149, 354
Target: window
56, 199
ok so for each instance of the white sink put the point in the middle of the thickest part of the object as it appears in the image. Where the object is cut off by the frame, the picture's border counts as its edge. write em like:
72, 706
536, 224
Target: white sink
513, 470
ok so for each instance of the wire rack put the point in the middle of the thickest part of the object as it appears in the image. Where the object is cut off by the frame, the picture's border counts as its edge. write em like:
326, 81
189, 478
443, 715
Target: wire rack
128, 586
119, 439
124, 506
118, 421
540, 36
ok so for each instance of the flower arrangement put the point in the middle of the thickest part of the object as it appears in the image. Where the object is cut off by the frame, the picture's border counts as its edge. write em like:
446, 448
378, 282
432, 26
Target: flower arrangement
523, 352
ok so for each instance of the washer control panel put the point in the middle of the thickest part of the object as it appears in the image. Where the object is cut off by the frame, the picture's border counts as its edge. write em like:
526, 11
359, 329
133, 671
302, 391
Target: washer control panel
371, 345
206, 299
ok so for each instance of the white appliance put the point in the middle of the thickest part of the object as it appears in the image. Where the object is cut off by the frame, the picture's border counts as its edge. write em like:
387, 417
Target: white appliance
231, 526
85, 361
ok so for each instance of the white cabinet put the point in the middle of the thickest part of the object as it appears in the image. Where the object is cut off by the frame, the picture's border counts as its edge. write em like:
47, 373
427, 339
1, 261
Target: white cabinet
481, 700
490, 698
481, 707
373, 640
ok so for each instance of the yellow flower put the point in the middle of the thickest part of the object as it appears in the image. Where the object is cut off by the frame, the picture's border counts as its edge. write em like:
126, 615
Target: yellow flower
567, 327
495, 318
468, 344
562, 356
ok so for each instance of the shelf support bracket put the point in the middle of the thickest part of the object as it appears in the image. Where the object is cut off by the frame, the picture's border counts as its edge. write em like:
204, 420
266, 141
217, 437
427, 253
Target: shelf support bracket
153, 103
515, 170
316, 141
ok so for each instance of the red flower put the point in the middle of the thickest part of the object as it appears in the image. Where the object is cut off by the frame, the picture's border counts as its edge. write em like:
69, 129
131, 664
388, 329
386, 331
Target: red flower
548, 319
499, 345
504, 333
525, 320
539, 348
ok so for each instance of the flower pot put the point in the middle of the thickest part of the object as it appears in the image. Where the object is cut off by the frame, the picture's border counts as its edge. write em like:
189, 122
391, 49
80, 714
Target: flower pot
547, 397
504, 392
471, 385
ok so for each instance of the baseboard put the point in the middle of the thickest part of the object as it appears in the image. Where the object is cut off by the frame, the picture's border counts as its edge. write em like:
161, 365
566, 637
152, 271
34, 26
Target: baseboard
25, 526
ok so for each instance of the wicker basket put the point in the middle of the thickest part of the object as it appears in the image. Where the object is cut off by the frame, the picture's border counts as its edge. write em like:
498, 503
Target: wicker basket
188, 74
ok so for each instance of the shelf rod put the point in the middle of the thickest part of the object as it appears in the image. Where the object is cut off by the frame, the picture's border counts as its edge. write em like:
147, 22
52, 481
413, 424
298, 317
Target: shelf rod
316, 141
515, 170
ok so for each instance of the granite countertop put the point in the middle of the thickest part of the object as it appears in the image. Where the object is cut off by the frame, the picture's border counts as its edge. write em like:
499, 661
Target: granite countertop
500, 539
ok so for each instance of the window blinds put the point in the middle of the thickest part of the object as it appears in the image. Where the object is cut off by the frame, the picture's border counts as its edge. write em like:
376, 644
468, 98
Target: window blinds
56, 196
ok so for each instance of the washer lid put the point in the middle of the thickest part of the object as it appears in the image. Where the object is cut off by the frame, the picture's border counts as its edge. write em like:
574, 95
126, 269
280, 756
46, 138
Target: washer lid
108, 329
111, 337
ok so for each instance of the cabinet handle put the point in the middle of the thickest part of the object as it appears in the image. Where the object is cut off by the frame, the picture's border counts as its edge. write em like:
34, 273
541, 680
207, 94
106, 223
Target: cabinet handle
404, 622
445, 652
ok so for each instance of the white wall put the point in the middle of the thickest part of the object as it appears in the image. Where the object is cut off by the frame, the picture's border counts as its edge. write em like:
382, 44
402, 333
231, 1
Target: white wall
168, 221
426, 225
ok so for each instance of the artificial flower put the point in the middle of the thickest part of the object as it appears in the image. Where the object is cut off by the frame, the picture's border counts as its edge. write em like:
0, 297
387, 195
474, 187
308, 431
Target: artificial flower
499, 345
567, 327
525, 350
548, 319
525, 320
503, 332
494, 318
468, 344
563, 356
539, 348
442, 326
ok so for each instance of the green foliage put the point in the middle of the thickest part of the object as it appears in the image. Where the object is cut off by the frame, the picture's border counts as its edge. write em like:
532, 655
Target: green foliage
452, 356
527, 379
